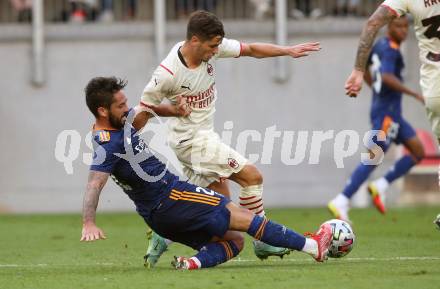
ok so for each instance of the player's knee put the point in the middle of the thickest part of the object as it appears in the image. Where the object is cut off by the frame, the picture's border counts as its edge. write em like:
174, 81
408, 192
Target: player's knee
239, 242
240, 219
418, 151
253, 175
419, 155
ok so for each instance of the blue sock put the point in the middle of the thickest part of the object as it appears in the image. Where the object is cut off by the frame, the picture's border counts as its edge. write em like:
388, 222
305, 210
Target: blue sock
274, 234
359, 176
213, 254
400, 168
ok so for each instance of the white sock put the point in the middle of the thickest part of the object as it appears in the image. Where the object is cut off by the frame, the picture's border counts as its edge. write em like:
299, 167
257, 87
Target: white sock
381, 185
197, 261
251, 199
341, 200
310, 247
168, 242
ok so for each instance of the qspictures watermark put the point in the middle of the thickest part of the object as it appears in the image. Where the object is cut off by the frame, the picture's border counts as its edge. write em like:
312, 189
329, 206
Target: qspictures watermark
297, 147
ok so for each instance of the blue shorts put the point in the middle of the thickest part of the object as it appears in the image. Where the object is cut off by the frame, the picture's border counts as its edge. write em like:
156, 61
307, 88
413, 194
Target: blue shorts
396, 128
191, 215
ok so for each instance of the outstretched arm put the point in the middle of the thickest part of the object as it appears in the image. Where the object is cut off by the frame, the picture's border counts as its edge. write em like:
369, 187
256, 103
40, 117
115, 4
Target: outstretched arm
96, 182
380, 17
262, 50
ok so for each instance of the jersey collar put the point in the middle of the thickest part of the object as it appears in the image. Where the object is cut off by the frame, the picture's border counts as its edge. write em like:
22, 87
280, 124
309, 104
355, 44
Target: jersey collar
96, 128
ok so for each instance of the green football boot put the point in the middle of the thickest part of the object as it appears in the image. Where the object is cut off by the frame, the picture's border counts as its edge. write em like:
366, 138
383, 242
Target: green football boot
156, 247
263, 250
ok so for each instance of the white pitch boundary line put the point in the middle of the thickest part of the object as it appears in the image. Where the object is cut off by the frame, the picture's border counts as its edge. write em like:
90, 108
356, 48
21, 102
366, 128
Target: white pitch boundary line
346, 259
55, 265
234, 260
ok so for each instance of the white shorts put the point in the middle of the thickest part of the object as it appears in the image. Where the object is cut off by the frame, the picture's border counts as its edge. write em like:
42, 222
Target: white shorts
206, 159
430, 84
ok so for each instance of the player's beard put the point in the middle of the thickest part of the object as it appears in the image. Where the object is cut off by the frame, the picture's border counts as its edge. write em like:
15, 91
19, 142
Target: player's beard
117, 123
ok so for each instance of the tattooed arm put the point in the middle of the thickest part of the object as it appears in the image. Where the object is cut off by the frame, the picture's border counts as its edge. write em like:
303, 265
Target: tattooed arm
380, 17
96, 182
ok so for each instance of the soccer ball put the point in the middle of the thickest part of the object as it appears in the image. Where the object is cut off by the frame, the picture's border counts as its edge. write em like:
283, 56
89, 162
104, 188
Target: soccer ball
343, 238
437, 221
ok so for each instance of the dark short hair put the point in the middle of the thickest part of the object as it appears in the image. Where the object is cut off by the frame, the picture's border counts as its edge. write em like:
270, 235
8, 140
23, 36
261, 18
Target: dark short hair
100, 91
205, 25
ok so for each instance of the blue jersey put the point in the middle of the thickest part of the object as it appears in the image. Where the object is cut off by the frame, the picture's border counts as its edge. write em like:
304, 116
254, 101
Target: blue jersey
177, 210
133, 167
385, 57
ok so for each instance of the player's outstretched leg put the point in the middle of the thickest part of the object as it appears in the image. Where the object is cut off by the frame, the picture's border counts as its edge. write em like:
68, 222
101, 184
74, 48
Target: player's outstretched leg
251, 198
260, 228
280, 236
156, 247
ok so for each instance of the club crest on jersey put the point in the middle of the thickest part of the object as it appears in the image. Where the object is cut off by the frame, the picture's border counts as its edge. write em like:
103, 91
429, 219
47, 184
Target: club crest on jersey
104, 136
233, 163
210, 69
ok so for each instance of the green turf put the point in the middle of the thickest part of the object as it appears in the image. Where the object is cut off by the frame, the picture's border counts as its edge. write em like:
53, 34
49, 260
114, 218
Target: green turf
43, 251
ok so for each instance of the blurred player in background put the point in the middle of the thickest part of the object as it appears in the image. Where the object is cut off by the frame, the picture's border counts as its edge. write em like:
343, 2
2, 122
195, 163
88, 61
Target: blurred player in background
426, 15
386, 65
186, 79
194, 216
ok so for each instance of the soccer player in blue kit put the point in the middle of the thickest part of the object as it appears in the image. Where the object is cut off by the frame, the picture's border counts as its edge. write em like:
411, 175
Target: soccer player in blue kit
195, 216
386, 65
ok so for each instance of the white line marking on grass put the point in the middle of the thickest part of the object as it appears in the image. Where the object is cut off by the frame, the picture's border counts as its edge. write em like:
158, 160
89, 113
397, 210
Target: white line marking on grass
346, 259
55, 265
234, 260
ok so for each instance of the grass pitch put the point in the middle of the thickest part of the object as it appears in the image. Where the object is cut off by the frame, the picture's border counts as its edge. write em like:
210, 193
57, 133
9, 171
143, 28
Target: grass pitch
400, 250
